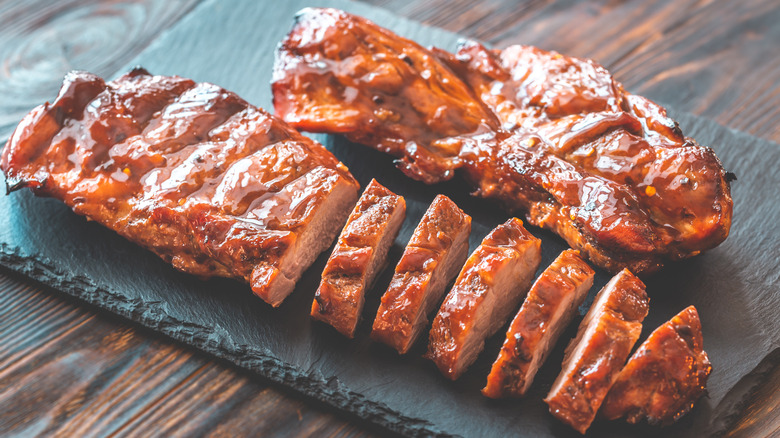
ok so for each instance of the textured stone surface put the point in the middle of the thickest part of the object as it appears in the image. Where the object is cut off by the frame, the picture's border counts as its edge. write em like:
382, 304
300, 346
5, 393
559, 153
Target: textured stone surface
734, 286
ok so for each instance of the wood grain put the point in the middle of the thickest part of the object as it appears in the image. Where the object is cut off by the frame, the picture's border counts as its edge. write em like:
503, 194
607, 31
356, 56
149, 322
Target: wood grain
70, 371
761, 416
43, 40
67, 369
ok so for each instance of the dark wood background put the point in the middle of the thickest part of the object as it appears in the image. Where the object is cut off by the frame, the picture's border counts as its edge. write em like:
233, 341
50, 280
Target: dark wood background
68, 369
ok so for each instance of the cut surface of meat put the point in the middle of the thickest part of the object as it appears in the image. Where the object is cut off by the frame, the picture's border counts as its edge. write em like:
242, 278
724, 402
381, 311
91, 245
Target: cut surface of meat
553, 137
596, 355
487, 291
664, 377
432, 258
359, 255
189, 170
549, 307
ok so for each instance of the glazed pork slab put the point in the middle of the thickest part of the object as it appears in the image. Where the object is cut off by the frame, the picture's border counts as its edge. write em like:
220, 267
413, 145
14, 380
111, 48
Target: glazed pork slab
553, 137
211, 184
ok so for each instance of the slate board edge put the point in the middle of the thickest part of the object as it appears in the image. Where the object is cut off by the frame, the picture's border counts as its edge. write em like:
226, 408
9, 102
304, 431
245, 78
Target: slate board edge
209, 341
312, 385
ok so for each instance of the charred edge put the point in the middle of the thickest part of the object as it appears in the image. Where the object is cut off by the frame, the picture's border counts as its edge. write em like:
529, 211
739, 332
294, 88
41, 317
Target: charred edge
677, 130
730, 176
13, 184
521, 352
322, 304
138, 71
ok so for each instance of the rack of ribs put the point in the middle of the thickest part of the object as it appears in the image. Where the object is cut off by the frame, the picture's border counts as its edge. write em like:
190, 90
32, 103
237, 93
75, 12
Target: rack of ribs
432, 258
664, 377
551, 136
596, 355
489, 288
547, 310
192, 172
359, 255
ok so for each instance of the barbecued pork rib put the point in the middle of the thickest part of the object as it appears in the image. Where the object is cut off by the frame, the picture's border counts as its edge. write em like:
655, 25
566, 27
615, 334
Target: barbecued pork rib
432, 258
359, 255
211, 184
551, 136
340, 73
489, 288
664, 377
579, 113
596, 355
549, 307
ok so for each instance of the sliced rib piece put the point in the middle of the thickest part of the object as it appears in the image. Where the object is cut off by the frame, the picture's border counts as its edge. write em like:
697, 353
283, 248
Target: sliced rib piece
359, 255
553, 137
596, 355
489, 288
547, 310
664, 377
432, 258
191, 171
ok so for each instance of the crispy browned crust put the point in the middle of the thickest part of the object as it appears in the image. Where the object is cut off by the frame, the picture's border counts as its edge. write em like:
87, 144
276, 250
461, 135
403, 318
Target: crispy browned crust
432, 258
597, 354
488, 289
357, 258
549, 307
664, 377
191, 171
551, 136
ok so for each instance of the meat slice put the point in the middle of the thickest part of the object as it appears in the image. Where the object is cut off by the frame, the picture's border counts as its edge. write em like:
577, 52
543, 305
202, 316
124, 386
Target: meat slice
359, 255
597, 354
664, 377
489, 288
432, 258
550, 136
191, 171
546, 312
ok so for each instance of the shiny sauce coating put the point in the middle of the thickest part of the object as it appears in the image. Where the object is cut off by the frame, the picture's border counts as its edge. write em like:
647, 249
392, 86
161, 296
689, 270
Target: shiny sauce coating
551, 136
189, 170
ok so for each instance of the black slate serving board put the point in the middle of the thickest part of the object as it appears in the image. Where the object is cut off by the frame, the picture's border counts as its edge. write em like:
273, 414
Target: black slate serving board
735, 286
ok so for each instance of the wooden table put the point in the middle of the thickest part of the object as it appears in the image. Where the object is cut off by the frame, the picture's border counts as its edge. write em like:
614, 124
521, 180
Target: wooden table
67, 368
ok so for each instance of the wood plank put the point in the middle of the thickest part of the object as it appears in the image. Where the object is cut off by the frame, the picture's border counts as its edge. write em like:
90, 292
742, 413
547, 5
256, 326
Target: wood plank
126, 381
222, 402
64, 369
43, 40
761, 416
71, 371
